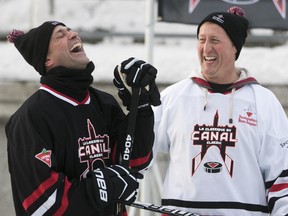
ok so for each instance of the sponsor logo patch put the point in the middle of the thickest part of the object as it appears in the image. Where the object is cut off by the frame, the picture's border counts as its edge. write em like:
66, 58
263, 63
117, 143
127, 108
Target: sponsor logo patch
44, 156
248, 116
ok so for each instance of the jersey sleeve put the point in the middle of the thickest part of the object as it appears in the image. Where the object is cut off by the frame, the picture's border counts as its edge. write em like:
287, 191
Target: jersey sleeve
273, 158
142, 154
161, 117
142, 144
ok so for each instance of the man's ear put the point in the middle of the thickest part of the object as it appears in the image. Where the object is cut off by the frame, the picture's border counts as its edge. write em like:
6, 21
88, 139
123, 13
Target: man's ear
48, 63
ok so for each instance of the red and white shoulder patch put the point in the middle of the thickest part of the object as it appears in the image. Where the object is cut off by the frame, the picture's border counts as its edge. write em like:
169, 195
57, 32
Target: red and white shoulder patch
44, 156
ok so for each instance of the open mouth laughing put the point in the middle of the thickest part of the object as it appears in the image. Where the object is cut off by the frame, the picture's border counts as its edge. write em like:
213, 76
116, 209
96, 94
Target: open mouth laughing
77, 47
209, 59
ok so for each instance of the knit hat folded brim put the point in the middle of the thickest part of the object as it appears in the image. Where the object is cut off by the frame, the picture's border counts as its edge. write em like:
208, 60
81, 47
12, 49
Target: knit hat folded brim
233, 22
34, 45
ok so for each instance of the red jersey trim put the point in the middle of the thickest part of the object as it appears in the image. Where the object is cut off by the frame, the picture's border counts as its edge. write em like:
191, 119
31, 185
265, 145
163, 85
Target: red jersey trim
278, 187
65, 201
40, 190
65, 97
140, 161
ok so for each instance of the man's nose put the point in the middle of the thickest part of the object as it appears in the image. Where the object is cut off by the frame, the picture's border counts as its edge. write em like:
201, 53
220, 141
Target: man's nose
72, 34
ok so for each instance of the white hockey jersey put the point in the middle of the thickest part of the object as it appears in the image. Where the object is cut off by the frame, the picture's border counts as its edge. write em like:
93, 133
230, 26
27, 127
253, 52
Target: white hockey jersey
228, 151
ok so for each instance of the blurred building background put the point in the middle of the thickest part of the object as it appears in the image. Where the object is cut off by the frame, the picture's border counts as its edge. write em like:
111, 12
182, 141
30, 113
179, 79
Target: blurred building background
112, 31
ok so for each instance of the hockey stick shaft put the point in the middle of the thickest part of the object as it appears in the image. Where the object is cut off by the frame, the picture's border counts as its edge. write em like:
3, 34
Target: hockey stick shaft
132, 116
161, 209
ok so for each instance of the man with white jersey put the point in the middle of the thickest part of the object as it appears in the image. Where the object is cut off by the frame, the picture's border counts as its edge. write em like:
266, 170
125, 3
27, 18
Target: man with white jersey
226, 135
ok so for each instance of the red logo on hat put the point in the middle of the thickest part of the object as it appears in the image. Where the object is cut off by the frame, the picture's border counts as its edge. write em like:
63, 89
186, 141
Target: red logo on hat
44, 156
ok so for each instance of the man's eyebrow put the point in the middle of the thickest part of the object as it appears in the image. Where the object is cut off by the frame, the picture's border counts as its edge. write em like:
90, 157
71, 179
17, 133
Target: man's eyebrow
63, 30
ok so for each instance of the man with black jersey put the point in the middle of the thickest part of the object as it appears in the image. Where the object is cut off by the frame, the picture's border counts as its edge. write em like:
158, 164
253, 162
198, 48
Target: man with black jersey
65, 141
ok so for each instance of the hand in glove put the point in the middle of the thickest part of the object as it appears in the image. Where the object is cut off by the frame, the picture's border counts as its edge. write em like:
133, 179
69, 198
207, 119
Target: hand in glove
137, 73
116, 183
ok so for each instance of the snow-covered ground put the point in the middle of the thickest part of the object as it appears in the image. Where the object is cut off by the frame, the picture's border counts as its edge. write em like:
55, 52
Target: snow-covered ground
174, 58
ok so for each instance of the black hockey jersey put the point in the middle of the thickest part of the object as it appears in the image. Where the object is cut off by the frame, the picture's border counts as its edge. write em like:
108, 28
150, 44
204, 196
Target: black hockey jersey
55, 140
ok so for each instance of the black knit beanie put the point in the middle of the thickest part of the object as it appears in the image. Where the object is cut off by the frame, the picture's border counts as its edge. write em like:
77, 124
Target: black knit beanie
233, 22
34, 45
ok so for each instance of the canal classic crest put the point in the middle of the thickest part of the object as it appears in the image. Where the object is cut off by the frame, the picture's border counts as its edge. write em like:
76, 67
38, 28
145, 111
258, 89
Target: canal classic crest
93, 148
214, 135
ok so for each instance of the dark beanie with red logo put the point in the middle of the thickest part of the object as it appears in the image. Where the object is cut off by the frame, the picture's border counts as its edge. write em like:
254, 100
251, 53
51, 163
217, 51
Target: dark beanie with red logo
233, 22
34, 44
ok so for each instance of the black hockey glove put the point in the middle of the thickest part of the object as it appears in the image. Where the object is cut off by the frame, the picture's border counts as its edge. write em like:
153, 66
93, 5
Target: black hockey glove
116, 183
137, 73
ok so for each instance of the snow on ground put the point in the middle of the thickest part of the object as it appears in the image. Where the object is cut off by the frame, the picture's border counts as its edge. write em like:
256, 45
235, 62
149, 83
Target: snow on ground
174, 58
174, 61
